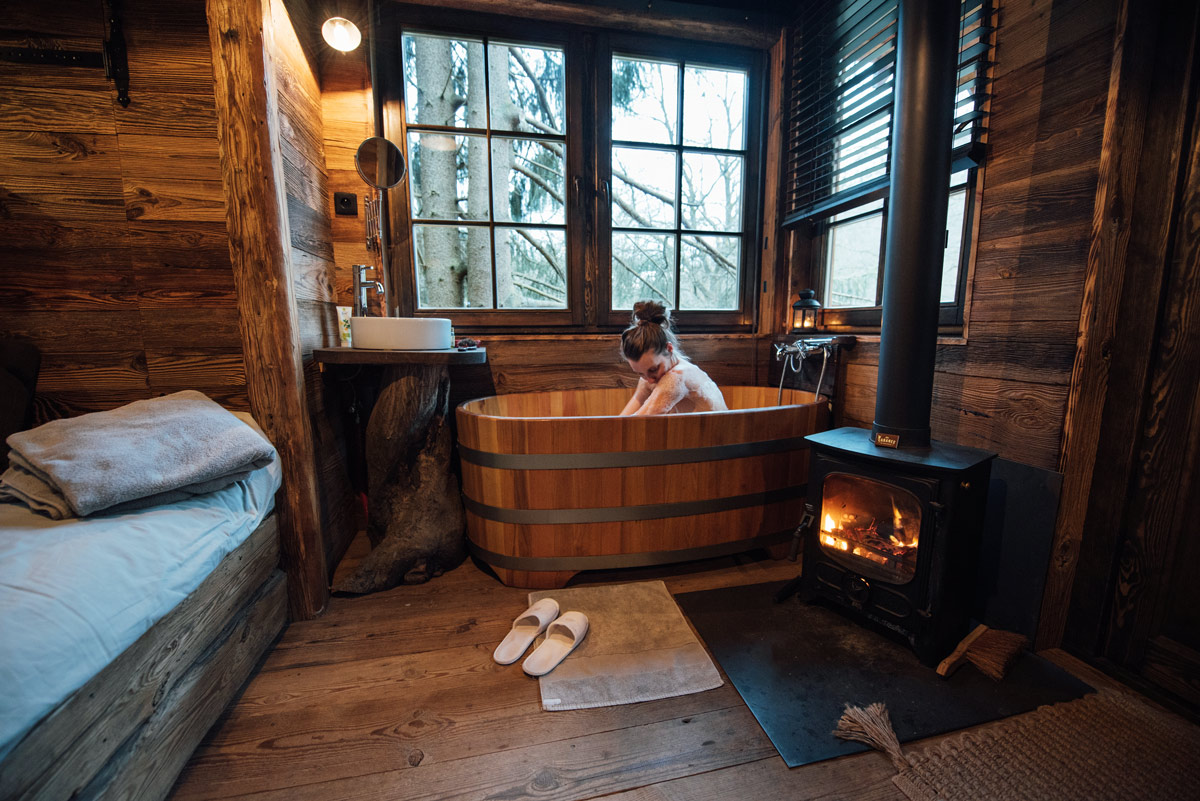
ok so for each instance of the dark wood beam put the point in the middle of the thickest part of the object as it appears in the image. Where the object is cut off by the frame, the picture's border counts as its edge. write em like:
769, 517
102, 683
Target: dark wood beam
1145, 121
259, 237
698, 25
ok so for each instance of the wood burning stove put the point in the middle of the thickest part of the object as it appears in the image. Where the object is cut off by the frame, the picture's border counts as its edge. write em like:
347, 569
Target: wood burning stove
895, 534
898, 517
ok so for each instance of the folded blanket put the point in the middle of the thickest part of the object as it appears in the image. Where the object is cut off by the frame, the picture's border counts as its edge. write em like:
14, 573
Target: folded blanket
146, 453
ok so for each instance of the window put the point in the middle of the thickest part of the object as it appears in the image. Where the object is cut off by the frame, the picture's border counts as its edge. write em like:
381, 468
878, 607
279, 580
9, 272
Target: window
550, 189
678, 161
843, 70
486, 149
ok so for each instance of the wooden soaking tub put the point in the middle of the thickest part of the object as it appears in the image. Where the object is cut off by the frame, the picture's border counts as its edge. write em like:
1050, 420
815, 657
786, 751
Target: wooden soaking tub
556, 482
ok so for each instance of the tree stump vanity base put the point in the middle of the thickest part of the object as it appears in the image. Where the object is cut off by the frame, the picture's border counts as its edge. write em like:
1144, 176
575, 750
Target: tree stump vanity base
415, 518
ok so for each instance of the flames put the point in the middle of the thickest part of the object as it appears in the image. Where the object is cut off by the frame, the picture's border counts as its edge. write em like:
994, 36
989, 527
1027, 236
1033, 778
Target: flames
897, 537
840, 534
873, 522
834, 542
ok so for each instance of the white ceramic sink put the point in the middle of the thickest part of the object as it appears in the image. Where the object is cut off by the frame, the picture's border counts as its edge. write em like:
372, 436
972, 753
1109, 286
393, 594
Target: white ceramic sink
401, 333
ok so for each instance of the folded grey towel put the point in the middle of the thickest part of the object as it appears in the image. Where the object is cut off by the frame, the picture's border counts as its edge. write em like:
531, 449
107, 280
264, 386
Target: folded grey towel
145, 453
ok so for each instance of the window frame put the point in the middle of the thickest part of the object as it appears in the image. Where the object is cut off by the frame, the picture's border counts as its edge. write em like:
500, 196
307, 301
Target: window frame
390, 87
811, 232
701, 54
587, 164
867, 318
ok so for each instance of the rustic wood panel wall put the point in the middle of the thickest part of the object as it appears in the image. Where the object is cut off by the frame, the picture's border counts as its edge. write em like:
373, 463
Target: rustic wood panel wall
346, 111
590, 361
309, 209
241, 34
112, 220
1005, 388
1126, 453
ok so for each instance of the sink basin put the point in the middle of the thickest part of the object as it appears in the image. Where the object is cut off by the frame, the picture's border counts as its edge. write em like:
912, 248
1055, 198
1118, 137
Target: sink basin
401, 333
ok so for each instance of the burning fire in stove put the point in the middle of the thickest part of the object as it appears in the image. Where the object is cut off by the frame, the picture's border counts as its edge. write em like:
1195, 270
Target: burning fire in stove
888, 539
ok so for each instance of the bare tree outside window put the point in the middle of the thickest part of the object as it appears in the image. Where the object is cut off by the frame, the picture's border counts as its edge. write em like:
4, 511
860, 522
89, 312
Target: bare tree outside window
486, 114
678, 162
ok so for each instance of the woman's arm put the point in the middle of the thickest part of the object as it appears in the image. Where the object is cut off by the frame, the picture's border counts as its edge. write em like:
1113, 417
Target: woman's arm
639, 397
669, 391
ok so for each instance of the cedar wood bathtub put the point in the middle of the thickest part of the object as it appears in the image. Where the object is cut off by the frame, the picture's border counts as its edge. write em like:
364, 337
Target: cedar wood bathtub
557, 482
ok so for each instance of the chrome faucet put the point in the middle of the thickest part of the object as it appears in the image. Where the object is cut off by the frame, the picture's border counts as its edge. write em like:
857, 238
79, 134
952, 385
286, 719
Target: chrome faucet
804, 347
361, 286
793, 356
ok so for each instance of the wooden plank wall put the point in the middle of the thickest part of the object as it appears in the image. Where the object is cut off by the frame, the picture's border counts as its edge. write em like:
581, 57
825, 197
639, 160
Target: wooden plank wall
1005, 388
590, 361
112, 220
309, 209
346, 105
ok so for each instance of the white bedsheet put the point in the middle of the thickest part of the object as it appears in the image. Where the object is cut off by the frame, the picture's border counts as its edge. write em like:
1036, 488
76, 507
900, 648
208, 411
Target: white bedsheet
76, 593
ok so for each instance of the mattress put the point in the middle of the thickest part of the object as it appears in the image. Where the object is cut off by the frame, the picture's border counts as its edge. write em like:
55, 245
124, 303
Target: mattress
76, 593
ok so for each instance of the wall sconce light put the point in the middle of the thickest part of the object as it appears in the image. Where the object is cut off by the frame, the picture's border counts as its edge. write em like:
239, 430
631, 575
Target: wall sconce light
805, 311
341, 34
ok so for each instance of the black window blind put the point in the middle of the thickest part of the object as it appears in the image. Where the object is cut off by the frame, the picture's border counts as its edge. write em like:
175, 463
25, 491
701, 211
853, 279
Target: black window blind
842, 78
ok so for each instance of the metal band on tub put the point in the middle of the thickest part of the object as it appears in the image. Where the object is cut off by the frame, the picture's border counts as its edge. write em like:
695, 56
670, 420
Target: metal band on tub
624, 560
617, 514
580, 461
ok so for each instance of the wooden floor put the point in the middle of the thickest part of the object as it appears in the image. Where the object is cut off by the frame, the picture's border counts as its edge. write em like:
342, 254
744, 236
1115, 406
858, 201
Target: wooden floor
395, 696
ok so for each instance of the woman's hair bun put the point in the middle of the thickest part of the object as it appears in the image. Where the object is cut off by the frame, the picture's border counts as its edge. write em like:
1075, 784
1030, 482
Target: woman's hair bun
650, 330
651, 311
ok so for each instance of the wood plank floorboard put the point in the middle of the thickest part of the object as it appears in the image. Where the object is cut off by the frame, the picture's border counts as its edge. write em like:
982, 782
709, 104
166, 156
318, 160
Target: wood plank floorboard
395, 696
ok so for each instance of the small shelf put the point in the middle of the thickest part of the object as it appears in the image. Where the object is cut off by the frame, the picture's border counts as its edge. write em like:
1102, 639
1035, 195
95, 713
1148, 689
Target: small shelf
372, 356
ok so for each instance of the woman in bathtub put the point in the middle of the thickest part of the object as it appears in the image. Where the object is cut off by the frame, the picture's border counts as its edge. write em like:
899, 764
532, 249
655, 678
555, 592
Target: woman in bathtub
668, 383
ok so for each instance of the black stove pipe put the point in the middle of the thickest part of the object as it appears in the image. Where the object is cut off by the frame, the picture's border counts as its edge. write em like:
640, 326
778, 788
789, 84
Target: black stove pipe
922, 116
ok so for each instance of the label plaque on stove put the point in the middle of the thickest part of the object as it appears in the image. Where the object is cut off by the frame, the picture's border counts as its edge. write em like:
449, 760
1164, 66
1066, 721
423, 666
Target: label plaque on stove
887, 440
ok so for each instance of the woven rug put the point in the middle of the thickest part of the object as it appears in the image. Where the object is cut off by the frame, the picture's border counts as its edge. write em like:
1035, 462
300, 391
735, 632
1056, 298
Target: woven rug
639, 647
1104, 746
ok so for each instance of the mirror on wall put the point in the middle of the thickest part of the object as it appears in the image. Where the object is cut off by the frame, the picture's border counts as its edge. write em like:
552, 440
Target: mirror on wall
380, 163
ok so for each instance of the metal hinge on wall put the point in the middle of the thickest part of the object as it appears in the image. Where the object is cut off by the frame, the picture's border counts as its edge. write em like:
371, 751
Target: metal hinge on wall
113, 58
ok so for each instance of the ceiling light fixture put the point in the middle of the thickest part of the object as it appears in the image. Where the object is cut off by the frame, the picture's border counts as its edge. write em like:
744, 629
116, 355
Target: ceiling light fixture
341, 34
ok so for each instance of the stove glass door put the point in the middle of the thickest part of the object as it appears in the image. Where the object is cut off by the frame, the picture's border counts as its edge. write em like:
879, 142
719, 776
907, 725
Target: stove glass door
870, 527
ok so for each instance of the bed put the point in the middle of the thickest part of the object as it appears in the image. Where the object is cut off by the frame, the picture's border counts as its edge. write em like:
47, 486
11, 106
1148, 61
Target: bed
123, 637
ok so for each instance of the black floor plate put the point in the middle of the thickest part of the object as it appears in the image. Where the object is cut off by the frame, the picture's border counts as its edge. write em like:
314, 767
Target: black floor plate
797, 665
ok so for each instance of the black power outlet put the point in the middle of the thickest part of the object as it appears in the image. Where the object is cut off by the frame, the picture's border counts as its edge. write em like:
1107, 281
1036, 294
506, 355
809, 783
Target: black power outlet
345, 203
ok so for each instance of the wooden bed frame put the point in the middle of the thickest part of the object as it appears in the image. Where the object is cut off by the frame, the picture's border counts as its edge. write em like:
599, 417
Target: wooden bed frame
129, 731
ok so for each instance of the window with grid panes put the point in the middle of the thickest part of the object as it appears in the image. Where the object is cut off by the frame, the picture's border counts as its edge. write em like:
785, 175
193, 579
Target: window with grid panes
486, 149
678, 167
500, 133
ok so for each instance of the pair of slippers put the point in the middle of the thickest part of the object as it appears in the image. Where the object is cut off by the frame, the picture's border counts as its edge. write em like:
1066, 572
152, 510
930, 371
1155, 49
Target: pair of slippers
563, 633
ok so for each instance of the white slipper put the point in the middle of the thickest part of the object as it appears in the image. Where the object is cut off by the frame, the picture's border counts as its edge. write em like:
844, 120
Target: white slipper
525, 629
562, 637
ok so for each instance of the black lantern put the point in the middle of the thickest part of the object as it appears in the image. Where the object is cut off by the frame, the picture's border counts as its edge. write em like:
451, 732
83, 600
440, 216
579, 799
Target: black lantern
805, 311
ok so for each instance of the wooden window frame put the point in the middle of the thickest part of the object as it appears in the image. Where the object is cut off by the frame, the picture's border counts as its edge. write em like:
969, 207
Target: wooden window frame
687, 52
588, 169
809, 232
869, 318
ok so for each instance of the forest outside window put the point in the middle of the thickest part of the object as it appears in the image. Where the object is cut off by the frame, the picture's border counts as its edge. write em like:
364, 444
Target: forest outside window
566, 188
486, 149
678, 167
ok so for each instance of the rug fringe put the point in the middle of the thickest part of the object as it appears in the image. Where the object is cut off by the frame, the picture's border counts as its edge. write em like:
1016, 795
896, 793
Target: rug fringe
873, 727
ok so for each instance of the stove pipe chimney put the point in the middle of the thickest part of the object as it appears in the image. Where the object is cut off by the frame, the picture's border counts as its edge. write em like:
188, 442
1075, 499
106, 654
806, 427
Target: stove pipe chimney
922, 116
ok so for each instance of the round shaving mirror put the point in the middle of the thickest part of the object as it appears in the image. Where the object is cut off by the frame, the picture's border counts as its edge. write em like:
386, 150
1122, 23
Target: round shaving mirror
380, 163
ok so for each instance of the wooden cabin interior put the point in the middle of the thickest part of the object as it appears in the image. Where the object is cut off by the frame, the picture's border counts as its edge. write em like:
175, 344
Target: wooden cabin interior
171, 224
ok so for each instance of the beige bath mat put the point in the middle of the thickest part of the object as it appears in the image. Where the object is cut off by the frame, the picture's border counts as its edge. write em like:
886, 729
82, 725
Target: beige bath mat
639, 648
